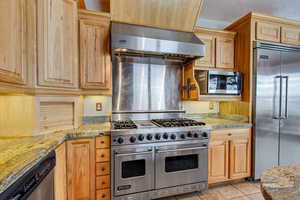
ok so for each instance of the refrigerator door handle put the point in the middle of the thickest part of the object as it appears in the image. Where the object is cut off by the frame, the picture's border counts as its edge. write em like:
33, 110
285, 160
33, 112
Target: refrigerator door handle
285, 116
277, 98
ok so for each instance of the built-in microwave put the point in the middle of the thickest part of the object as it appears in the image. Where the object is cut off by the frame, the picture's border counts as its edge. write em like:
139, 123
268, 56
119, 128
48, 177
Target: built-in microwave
215, 82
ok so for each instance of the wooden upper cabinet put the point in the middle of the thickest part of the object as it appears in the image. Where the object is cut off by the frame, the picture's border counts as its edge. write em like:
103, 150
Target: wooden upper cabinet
219, 48
12, 41
290, 35
210, 50
218, 160
57, 28
225, 52
81, 169
95, 62
268, 31
168, 14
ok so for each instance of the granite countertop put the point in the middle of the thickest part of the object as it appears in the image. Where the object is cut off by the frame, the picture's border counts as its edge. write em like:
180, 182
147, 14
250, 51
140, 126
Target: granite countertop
281, 183
19, 154
219, 121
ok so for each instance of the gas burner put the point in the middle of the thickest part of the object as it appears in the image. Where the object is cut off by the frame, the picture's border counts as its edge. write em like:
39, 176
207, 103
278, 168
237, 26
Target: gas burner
126, 124
178, 122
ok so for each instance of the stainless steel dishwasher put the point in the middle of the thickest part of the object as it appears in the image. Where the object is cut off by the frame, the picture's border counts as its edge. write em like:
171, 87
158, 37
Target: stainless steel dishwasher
36, 184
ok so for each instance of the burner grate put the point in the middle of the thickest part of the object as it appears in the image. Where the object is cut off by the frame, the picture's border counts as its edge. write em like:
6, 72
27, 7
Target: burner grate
126, 124
178, 122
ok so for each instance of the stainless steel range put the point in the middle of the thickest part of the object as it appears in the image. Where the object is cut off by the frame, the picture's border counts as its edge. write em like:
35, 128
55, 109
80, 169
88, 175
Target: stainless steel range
158, 158
161, 153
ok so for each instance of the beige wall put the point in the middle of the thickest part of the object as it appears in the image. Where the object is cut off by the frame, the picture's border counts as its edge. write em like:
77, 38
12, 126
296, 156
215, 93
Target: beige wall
16, 115
90, 105
194, 107
189, 106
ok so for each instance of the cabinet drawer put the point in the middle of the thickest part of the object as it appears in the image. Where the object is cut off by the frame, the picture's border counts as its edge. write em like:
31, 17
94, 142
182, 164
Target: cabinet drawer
103, 194
268, 31
102, 155
102, 168
290, 35
102, 182
103, 142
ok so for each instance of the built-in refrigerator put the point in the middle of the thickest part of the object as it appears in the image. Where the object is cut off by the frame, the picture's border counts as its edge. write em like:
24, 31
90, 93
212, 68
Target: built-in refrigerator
276, 106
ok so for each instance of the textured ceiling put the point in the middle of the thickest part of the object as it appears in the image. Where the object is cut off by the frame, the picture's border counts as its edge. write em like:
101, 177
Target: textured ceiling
220, 13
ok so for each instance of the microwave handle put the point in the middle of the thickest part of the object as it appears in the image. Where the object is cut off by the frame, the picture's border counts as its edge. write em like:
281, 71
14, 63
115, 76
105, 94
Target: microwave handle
240, 83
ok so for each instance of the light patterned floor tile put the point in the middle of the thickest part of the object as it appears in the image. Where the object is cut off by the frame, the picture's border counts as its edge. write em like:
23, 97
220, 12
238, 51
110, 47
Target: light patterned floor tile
257, 196
229, 192
192, 196
241, 198
246, 188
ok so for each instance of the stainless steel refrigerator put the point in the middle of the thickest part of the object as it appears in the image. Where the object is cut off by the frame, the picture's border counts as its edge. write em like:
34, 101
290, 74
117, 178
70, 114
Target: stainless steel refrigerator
276, 106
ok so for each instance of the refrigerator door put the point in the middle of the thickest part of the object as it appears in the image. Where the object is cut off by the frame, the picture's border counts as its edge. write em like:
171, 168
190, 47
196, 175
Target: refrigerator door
290, 124
266, 109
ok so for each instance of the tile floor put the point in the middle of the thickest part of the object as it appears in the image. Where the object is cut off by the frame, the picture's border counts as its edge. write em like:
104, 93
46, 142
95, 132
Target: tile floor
236, 191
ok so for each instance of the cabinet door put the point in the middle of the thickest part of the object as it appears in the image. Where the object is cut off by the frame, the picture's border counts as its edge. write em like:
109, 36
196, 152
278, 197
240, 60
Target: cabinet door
290, 35
81, 169
60, 173
225, 52
12, 41
268, 31
209, 60
218, 161
57, 43
240, 155
95, 64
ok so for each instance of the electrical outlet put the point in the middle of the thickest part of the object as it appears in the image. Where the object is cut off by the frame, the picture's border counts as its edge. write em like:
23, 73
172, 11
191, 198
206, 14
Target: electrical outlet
211, 105
98, 106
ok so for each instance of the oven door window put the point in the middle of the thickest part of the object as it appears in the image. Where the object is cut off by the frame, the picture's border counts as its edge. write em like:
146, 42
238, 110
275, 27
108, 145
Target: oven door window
181, 163
133, 168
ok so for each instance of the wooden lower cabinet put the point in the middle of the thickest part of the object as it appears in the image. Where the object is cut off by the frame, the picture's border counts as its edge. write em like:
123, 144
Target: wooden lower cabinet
81, 169
229, 156
218, 159
60, 173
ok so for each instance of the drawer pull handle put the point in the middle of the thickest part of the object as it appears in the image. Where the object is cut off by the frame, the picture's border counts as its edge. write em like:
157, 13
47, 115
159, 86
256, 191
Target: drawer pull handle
103, 182
103, 169
229, 134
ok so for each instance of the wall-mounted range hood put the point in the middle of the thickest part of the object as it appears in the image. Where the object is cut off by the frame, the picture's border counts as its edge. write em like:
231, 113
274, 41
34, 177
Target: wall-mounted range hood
146, 41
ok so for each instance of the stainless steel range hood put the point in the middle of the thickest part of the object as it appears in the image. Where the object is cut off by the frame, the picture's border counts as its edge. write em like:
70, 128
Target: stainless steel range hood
140, 40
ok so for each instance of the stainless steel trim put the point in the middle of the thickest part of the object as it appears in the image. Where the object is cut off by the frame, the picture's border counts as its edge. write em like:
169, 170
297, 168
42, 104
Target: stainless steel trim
275, 46
180, 149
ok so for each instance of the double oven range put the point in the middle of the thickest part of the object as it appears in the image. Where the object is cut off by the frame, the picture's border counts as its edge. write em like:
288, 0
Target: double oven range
157, 158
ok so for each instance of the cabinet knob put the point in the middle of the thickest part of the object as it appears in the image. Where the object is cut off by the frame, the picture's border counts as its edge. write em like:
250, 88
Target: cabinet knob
103, 169
102, 155
103, 195
229, 134
102, 142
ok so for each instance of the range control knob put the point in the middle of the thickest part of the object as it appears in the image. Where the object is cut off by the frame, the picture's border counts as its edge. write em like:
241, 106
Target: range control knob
157, 136
189, 134
120, 140
204, 134
132, 139
141, 137
165, 136
173, 136
149, 137
182, 136
196, 135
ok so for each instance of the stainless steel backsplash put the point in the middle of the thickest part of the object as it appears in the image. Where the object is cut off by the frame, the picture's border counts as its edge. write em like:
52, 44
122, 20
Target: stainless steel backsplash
142, 84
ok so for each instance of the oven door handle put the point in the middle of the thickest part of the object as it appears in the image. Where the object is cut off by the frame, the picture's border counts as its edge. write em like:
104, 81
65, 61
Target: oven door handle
182, 149
149, 151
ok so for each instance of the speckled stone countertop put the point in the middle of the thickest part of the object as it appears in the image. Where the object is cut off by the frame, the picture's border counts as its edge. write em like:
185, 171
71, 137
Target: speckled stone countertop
19, 154
218, 121
281, 183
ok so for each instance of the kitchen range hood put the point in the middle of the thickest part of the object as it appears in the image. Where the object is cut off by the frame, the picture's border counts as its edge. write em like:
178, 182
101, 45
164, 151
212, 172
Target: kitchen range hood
137, 40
